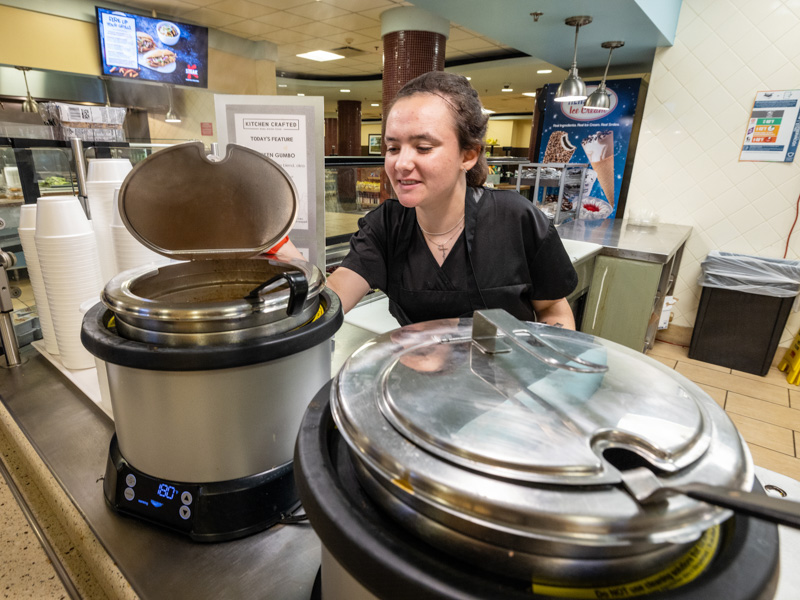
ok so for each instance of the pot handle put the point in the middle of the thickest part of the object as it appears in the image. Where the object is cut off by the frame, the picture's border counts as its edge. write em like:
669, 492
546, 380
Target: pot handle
491, 326
298, 290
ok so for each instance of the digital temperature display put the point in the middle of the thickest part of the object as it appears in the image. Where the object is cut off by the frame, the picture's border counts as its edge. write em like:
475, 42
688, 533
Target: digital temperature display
157, 500
167, 491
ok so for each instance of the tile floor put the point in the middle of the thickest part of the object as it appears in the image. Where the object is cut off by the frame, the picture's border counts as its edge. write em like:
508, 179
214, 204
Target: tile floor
766, 410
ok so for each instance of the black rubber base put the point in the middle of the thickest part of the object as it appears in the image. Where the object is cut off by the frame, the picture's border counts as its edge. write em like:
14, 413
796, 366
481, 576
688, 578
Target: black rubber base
205, 512
390, 562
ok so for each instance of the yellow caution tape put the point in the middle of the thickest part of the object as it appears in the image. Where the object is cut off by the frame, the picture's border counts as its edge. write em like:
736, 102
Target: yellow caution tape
680, 572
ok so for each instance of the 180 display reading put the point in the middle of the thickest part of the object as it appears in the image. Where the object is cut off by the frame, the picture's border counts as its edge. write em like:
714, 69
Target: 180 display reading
167, 491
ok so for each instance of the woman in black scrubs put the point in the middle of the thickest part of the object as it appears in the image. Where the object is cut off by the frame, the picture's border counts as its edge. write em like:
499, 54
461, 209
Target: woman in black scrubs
447, 246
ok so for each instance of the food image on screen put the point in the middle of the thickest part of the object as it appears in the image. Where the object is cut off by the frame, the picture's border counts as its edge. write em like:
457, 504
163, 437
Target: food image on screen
146, 48
158, 59
144, 42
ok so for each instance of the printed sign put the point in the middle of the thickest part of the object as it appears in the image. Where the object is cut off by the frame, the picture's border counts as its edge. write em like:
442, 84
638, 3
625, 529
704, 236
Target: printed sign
572, 133
774, 127
286, 130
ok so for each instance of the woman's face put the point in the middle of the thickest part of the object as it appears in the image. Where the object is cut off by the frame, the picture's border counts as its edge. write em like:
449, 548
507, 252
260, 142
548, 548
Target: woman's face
423, 159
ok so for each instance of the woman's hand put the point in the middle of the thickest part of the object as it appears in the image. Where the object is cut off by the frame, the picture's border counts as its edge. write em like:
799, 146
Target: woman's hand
554, 312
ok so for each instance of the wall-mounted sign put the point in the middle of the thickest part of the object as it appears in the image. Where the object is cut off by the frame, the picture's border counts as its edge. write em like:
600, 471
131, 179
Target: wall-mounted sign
289, 131
573, 133
774, 127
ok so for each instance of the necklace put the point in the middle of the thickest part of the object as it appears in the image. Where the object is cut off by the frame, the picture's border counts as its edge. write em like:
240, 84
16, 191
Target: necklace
444, 232
443, 246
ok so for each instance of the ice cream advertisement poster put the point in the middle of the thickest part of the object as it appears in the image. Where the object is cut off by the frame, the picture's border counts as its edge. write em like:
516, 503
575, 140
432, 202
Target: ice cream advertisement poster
773, 130
572, 133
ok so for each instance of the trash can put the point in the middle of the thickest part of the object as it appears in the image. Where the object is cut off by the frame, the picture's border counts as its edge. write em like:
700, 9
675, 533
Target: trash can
743, 309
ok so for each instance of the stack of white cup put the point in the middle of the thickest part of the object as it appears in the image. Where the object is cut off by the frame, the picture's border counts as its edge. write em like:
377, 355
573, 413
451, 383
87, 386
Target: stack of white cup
27, 230
67, 252
103, 176
129, 251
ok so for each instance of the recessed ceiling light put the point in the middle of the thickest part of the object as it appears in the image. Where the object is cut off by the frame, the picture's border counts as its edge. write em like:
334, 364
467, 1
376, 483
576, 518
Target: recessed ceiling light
301, 94
531, 94
486, 111
469, 78
506, 89
319, 55
545, 71
345, 91
374, 104
282, 85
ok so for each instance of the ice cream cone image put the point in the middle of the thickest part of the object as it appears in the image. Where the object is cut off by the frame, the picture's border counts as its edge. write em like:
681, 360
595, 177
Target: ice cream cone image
559, 148
599, 148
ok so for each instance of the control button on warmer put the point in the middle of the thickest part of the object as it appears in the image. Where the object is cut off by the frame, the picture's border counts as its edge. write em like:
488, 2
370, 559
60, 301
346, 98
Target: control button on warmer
185, 512
130, 479
186, 498
129, 494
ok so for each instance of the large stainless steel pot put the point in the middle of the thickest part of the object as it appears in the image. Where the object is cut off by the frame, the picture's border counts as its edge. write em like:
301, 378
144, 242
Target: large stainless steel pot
212, 360
501, 443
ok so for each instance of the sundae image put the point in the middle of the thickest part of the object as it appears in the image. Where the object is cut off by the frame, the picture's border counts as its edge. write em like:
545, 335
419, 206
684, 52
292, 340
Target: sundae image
559, 149
599, 148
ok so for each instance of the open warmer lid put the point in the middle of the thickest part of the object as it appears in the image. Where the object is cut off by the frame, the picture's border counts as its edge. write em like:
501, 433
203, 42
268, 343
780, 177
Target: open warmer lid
185, 206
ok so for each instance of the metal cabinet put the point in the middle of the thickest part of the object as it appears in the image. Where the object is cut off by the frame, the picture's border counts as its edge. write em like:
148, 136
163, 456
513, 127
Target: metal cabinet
626, 298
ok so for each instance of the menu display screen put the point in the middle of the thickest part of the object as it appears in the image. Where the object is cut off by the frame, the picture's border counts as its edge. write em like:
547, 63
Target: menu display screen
136, 47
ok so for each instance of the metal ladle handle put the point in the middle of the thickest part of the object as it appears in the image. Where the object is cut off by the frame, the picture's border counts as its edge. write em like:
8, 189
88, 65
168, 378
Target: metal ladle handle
298, 290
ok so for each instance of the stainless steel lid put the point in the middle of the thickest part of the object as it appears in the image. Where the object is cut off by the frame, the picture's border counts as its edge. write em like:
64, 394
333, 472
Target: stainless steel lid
216, 215
185, 206
515, 433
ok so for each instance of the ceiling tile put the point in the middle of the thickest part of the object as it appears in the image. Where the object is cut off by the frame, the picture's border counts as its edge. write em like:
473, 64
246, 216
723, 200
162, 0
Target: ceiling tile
459, 33
471, 46
375, 13
349, 38
170, 7
251, 28
283, 19
319, 29
359, 5
211, 18
284, 36
352, 22
241, 8
373, 32
283, 4
201, 2
319, 11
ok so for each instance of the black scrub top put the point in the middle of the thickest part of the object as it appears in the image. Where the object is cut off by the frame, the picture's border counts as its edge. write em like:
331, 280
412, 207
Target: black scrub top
508, 255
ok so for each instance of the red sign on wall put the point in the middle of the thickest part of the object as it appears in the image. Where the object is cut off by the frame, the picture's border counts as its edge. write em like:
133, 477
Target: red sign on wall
206, 129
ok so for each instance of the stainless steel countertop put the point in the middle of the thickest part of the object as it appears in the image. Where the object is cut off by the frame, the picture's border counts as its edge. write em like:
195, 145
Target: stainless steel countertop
72, 436
647, 243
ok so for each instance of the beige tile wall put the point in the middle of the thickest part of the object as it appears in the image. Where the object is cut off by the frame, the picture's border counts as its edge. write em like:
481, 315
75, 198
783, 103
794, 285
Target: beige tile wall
697, 109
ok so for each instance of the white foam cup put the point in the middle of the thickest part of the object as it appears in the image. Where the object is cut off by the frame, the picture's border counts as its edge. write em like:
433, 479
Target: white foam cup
108, 169
60, 215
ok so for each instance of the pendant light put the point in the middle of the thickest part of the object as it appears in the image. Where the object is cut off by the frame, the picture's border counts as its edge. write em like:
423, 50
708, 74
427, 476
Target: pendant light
600, 97
171, 116
29, 104
573, 88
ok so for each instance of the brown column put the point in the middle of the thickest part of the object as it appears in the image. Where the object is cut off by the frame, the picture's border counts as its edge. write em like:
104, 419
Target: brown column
414, 42
349, 112
331, 137
349, 125
408, 54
